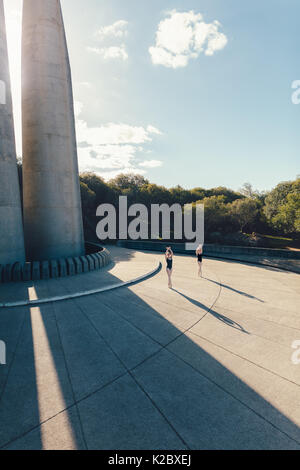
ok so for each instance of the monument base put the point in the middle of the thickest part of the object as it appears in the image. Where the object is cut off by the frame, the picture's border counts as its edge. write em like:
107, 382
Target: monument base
56, 268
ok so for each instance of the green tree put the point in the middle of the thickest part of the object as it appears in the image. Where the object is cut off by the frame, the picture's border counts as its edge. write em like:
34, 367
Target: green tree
228, 194
180, 195
128, 181
217, 216
282, 207
245, 211
287, 218
103, 192
154, 194
88, 198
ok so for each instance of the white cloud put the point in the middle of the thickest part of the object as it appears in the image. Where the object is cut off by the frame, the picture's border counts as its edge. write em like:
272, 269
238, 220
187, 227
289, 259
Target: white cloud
117, 29
153, 130
112, 134
112, 52
84, 84
78, 107
151, 164
184, 36
112, 148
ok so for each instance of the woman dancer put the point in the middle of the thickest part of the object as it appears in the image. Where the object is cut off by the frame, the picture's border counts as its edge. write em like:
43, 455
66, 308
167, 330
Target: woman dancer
169, 260
199, 254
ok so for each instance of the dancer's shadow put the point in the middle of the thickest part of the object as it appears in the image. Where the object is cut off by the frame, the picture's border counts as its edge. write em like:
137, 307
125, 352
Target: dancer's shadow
249, 296
215, 314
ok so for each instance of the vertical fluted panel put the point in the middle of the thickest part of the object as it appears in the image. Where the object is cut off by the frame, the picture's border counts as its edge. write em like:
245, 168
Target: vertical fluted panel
52, 204
11, 226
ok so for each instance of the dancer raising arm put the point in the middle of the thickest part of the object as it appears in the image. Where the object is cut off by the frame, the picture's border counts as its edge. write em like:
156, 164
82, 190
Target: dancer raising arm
199, 254
169, 260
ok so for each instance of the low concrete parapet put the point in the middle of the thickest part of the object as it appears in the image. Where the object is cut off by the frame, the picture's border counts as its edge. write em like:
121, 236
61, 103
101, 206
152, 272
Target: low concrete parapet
78, 265
282, 259
17, 272
37, 270
85, 264
91, 262
71, 271
54, 268
62, 268
96, 261
7, 277
45, 270
211, 250
26, 272
100, 260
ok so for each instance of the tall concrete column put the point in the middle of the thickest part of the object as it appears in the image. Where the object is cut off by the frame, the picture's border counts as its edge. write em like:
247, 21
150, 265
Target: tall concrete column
52, 204
11, 227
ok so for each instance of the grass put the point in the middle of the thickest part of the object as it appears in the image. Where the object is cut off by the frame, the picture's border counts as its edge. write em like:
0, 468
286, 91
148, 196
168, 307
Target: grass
273, 241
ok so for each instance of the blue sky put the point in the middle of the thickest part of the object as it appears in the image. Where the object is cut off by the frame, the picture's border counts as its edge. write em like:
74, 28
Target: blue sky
196, 93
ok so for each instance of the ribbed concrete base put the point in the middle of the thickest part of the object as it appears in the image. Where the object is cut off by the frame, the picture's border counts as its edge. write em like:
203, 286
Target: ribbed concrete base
62, 267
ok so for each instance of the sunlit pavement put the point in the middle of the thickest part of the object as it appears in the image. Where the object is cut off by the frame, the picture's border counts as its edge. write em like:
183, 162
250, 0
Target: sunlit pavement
206, 365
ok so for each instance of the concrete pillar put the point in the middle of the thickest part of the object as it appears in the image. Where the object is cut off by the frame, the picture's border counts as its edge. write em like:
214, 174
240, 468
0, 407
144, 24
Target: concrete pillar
11, 226
52, 204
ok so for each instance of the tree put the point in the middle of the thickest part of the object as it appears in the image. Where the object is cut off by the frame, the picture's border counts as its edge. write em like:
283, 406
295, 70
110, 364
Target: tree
229, 195
154, 194
248, 191
88, 198
103, 192
217, 216
129, 181
245, 211
180, 195
287, 219
282, 207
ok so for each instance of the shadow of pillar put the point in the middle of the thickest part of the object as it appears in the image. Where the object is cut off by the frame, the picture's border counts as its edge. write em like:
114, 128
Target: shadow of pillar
110, 372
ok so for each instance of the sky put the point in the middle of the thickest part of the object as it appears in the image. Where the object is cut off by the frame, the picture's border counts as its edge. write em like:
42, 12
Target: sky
190, 92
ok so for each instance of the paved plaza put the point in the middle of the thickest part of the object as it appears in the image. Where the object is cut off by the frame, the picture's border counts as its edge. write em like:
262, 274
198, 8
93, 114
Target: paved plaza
206, 365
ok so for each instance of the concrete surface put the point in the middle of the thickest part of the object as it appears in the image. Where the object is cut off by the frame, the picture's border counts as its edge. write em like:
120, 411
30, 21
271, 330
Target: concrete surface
11, 226
75, 294
207, 365
52, 204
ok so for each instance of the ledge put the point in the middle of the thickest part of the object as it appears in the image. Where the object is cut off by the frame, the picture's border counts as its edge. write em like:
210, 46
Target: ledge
56, 268
281, 259
75, 295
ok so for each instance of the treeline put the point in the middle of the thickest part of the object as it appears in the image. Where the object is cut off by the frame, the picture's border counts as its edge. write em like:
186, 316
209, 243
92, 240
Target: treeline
229, 215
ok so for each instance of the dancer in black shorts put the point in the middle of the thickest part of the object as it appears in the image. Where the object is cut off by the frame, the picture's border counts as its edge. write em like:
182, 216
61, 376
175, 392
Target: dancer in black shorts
169, 260
199, 253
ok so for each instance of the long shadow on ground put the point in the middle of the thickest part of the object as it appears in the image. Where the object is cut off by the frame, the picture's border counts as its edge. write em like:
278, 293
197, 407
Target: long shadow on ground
113, 373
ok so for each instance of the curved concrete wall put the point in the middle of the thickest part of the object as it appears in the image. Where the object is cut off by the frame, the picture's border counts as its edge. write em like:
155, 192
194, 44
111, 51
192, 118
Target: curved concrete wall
221, 251
52, 204
55, 268
282, 259
11, 226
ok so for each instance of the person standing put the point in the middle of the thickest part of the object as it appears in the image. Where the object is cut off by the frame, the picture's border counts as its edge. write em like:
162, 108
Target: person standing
199, 254
169, 260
